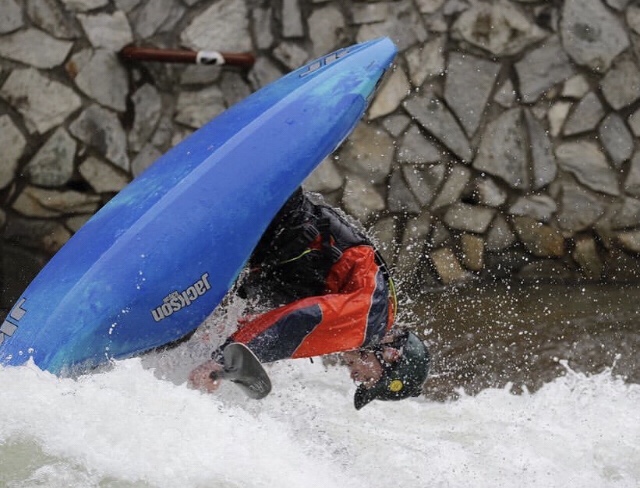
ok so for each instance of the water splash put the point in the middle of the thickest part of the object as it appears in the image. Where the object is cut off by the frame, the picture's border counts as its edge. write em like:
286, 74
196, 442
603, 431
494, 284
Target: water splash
126, 428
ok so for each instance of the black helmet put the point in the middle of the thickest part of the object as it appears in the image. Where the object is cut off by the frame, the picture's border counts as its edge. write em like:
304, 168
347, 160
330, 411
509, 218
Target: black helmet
401, 379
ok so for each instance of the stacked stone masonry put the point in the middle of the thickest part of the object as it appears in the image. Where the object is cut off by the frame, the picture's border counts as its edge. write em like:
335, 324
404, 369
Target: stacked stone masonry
503, 144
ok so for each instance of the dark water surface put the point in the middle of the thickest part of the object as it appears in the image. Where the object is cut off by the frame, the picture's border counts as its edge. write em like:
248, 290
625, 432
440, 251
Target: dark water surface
492, 336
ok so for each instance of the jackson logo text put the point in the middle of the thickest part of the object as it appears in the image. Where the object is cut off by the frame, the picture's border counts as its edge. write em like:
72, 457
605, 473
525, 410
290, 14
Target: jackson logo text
176, 300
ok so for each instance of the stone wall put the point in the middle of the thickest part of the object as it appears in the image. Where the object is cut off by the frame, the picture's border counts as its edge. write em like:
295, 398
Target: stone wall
503, 144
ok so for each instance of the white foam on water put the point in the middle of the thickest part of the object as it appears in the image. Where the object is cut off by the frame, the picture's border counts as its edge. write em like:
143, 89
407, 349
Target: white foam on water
127, 428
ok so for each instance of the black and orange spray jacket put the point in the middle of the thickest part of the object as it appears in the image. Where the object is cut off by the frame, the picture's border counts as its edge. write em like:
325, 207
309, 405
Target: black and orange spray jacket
326, 285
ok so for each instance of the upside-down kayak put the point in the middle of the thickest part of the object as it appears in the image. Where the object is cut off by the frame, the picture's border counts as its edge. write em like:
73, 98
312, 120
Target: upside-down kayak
154, 262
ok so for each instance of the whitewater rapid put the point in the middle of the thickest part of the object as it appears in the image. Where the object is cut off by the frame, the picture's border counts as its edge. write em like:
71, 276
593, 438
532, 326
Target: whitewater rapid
128, 428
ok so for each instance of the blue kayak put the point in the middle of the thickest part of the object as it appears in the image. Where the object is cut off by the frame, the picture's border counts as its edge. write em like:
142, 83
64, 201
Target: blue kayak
154, 262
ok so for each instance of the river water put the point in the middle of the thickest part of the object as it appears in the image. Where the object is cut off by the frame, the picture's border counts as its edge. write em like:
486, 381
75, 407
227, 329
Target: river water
527, 335
531, 387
